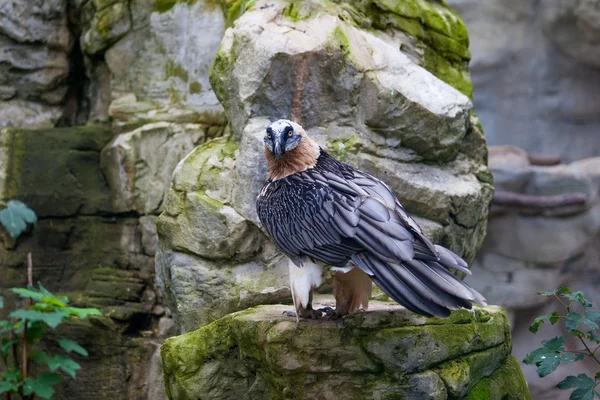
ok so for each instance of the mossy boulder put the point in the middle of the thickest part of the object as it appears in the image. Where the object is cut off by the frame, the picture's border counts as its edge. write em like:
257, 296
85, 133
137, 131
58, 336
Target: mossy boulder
385, 353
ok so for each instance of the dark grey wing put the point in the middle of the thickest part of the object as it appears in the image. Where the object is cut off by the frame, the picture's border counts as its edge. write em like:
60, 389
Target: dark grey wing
300, 213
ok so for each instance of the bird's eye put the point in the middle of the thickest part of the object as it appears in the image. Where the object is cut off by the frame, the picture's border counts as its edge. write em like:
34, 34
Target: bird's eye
290, 133
269, 136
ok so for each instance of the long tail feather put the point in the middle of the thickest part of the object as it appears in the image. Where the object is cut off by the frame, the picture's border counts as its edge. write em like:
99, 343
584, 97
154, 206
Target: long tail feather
423, 286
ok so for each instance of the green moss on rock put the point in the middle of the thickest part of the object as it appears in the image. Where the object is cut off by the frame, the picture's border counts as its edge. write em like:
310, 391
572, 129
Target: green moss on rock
260, 353
506, 383
176, 70
340, 148
74, 184
195, 87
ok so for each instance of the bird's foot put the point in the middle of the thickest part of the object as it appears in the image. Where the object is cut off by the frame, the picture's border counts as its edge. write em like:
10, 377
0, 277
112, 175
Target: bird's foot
304, 314
330, 313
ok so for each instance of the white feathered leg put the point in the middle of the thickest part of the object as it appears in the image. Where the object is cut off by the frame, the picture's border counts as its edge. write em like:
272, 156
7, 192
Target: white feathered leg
302, 281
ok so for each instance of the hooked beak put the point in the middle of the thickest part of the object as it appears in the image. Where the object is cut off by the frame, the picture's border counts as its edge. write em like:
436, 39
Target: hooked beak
278, 151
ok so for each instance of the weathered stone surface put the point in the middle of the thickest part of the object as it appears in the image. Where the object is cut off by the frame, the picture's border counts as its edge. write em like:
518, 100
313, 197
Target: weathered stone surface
386, 353
34, 46
535, 68
151, 77
138, 165
575, 29
55, 171
122, 361
362, 99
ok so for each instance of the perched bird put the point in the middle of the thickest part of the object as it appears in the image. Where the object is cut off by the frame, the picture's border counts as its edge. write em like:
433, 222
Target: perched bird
320, 211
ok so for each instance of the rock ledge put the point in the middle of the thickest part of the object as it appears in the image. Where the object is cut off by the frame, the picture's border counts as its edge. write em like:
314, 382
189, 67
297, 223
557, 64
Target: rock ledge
385, 353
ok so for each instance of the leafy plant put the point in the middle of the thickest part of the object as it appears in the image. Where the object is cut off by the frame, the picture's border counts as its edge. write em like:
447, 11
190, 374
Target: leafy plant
20, 336
15, 217
584, 328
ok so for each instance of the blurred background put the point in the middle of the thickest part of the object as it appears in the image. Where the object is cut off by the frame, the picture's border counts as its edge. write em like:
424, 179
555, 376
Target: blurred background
535, 68
100, 100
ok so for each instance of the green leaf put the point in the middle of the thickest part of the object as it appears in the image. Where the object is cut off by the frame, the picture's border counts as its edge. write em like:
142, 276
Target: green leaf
6, 386
5, 327
54, 363
9, 380
42, 296
547, 357
7, 345
42, 386
81, 313
583, 384
593, 315
52, 319
557, 291
35, 331
593, 336
574, 319
28, 293
70, 345
569, 358
577, 297
11, 375
552, 318
15, 218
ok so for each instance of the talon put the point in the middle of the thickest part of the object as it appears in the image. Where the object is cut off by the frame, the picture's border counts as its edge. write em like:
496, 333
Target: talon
327, 310
310, 314
331, 313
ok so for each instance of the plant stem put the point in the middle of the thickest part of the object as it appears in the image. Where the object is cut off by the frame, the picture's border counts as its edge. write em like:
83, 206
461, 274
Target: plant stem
24, 352
591, 354
14, 350
562, 302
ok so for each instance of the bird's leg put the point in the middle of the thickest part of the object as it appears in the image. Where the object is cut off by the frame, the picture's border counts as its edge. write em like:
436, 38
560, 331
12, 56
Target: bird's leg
302, 280
351, 291
304, 312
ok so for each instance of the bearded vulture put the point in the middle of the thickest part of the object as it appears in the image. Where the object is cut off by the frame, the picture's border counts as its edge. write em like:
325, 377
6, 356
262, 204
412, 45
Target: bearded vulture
320, 211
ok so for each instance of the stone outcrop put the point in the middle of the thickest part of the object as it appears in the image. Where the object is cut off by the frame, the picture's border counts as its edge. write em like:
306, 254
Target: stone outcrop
362, 99
384, 353
154, 60
382, 85
35, 43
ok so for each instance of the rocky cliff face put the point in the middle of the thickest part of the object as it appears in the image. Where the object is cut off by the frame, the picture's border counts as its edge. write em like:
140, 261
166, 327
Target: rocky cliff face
120, 68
